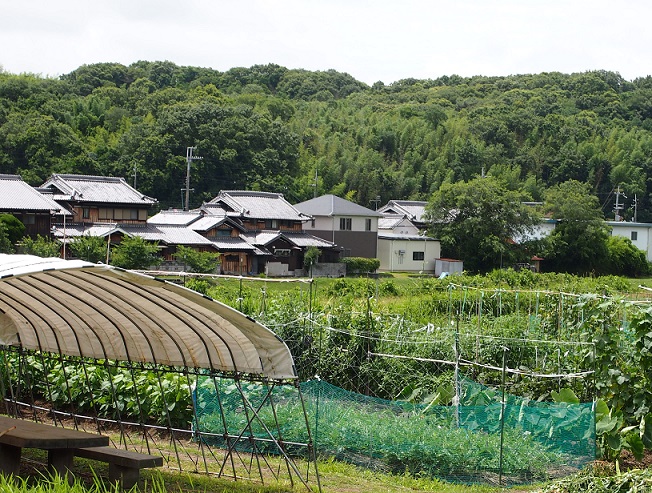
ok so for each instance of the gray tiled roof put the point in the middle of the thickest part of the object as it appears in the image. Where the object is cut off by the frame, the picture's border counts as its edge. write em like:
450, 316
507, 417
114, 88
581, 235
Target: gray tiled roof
301, 240
16, 195
170, 235
96, 229
96, 189
331, 205
414, 209
257, 205
226, 243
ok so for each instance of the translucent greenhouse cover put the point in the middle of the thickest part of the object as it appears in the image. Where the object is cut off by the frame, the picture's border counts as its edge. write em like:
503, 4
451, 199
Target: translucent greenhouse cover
77, 308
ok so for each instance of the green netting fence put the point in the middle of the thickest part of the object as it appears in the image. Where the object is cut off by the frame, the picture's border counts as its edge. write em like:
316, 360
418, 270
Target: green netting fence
487, 438
463, 387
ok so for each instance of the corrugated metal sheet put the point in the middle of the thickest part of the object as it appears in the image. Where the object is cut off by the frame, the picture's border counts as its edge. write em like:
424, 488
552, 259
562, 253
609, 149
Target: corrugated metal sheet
390, 221
209, 222
97, 311
171, 235
304, 240
261, 238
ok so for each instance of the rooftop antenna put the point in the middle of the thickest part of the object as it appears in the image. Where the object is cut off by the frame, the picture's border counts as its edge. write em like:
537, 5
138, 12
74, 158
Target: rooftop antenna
189, 159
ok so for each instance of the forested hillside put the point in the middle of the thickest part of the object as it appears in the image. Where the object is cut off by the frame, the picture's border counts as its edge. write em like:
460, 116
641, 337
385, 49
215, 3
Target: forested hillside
276, 129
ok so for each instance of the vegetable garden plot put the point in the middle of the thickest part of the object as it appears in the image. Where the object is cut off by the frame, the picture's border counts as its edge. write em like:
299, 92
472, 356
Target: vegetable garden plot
418, 408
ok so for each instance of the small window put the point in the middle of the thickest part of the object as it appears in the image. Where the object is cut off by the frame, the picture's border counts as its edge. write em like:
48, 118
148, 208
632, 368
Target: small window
133, 214
367, 224
634, 236
86, 212
345, 223
418, 256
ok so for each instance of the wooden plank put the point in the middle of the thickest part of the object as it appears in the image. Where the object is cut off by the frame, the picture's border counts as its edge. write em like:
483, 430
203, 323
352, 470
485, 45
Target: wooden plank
121, 457
29, 434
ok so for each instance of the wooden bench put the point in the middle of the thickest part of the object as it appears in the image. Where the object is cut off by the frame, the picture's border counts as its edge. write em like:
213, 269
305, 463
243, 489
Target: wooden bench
124, 465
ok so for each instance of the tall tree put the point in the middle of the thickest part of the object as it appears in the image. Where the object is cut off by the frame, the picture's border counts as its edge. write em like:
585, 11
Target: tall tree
578, 243
480, 222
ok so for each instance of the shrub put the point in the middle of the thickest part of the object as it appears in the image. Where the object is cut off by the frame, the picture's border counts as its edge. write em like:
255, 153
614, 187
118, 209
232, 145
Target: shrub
360, 265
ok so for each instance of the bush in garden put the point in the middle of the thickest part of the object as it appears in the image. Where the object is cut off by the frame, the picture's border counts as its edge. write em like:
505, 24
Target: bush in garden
360, 265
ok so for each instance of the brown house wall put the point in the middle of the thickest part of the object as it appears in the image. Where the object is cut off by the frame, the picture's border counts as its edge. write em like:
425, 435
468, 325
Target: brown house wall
352, 243
94, 215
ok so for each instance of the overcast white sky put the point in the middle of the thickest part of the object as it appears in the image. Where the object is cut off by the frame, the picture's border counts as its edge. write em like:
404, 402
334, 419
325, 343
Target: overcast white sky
370, 39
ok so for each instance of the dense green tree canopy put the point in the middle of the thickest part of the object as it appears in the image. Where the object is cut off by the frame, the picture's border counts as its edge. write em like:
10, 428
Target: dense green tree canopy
299, 132
480, 221
578, 243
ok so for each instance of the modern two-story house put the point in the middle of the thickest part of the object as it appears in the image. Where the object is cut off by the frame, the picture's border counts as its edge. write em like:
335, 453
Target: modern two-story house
402, 247
352, 227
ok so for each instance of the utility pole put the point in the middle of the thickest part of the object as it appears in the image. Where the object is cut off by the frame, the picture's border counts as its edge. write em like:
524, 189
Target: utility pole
635, 207
135, 174
189, 159
618, 206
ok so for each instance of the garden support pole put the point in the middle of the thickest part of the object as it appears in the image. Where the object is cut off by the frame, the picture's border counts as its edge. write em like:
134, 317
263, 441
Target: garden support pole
502, 417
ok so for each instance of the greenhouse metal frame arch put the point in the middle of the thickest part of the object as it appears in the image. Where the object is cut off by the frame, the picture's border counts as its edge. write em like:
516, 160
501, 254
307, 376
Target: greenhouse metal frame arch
72, 314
